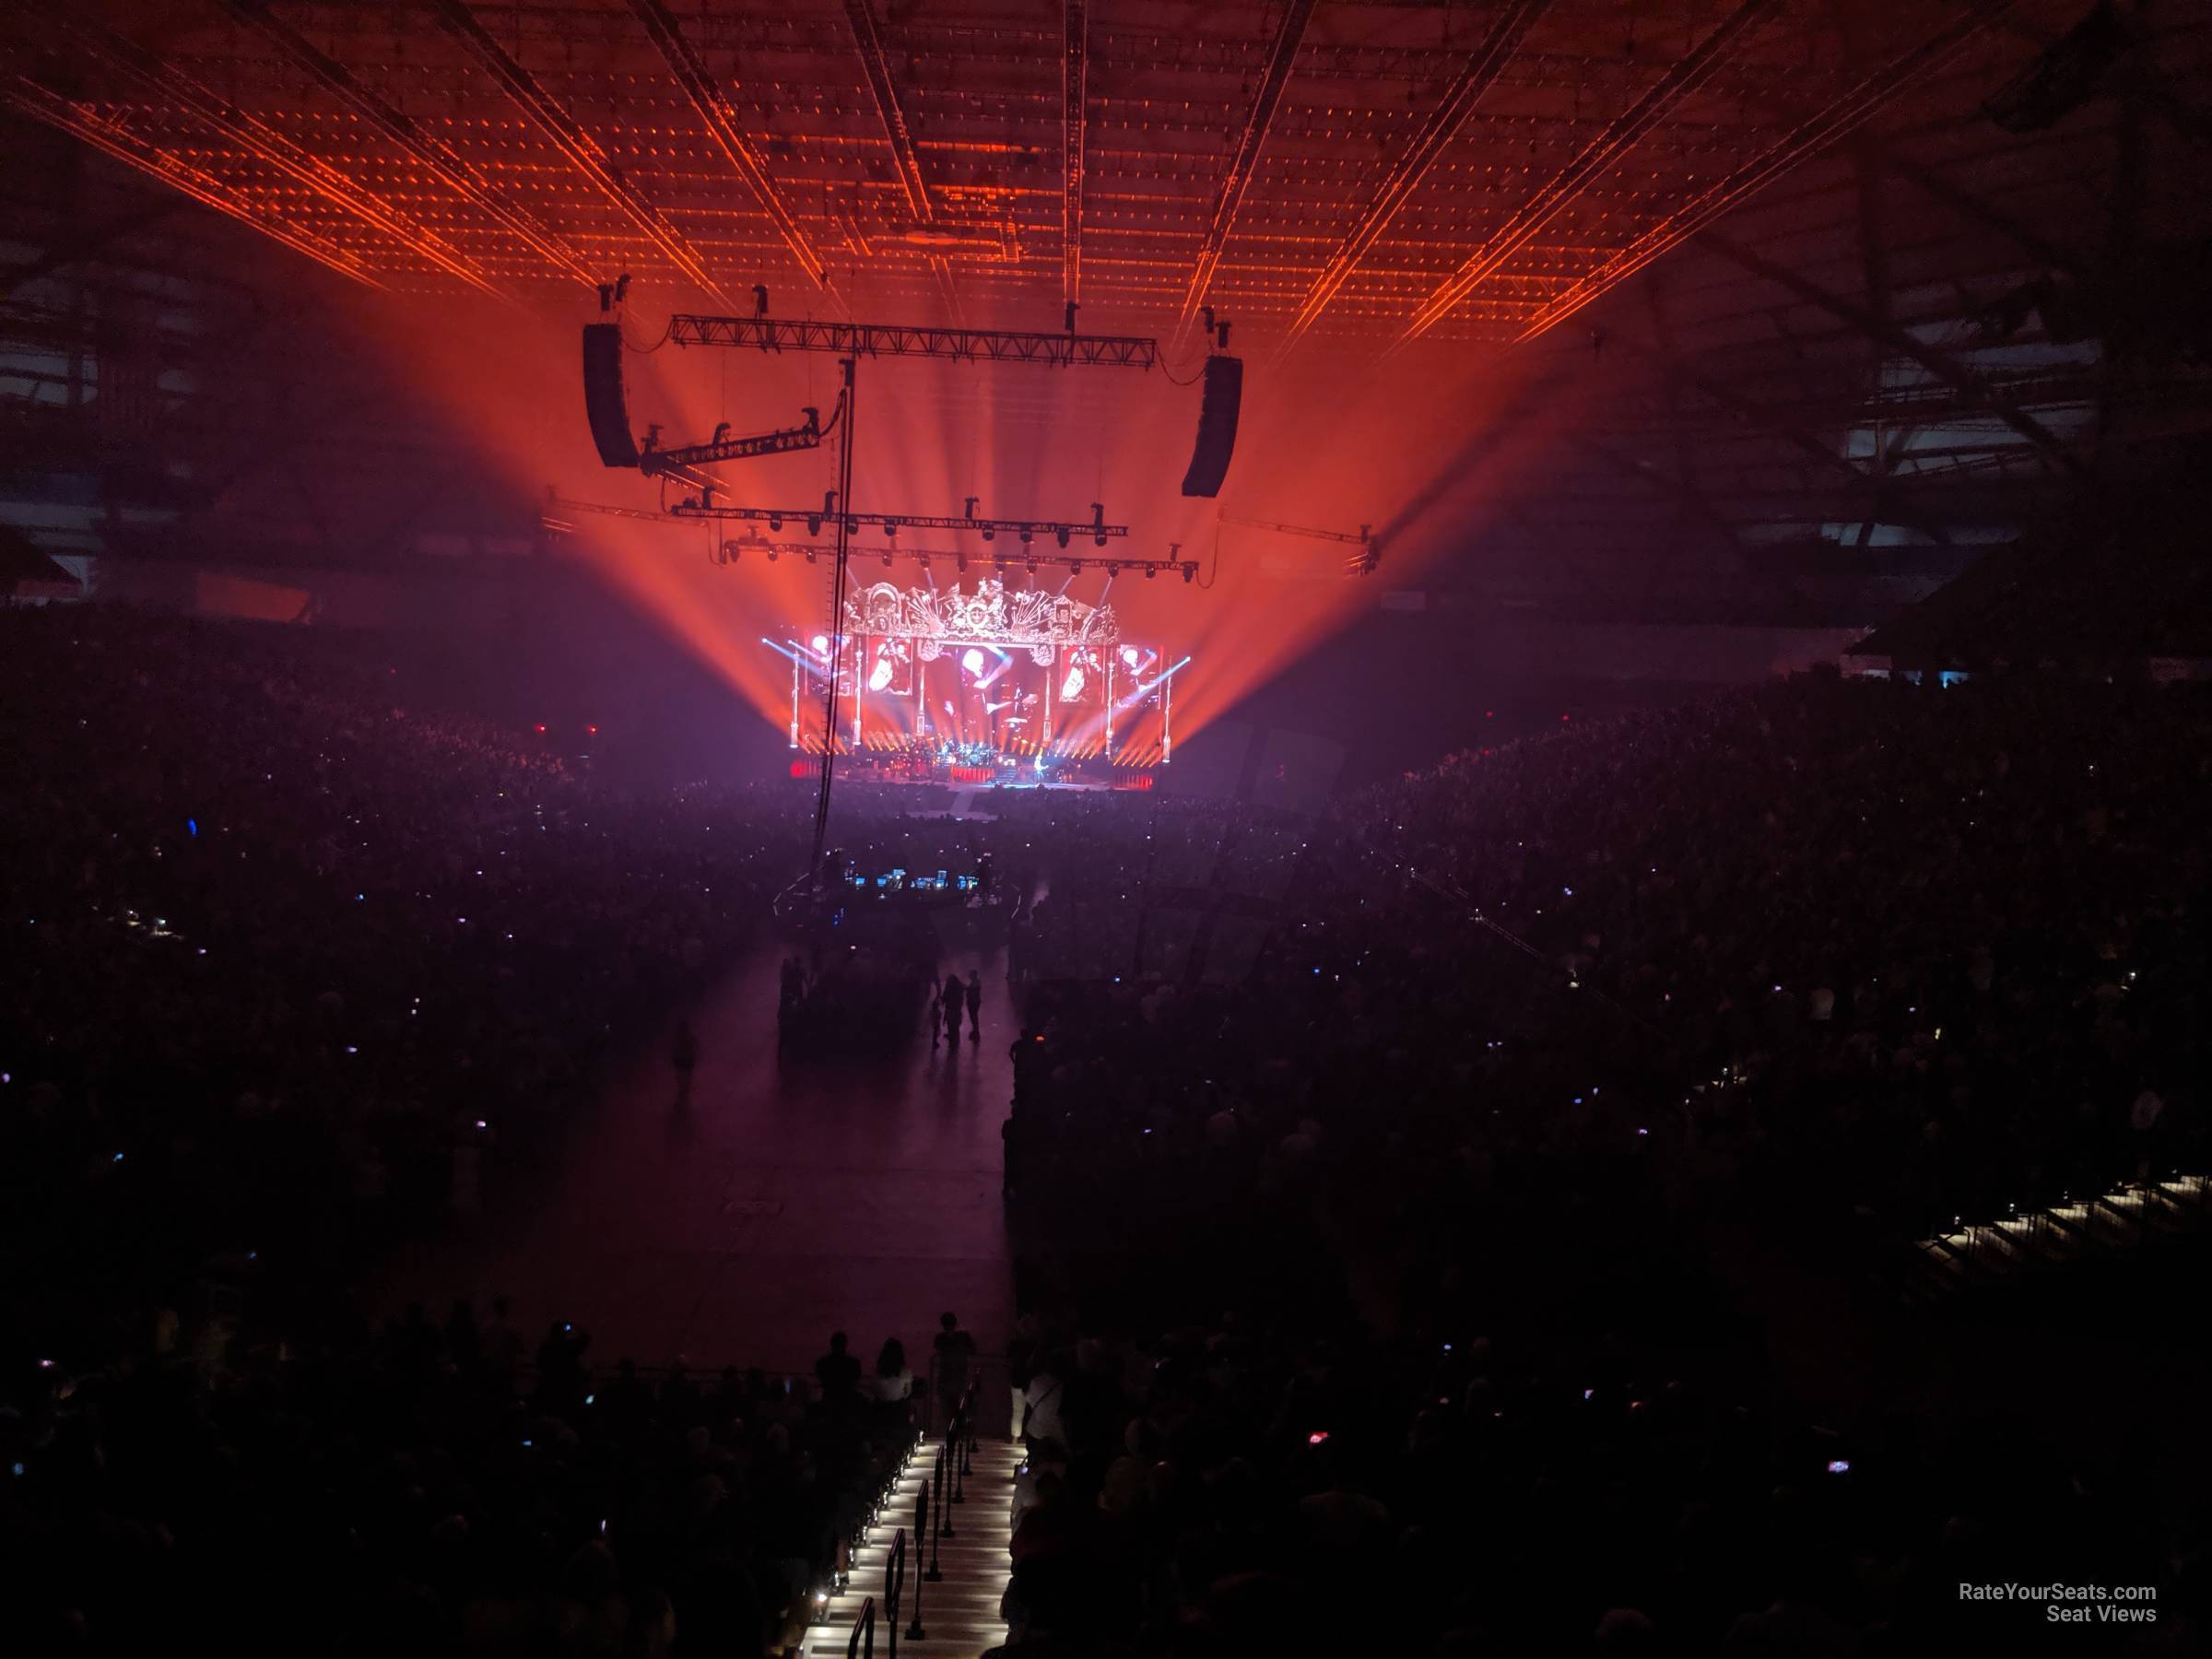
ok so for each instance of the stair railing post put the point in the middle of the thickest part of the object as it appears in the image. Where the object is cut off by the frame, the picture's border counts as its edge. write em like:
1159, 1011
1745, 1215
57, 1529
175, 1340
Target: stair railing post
915, 1632
945, 1498
924, 1518
894, 1586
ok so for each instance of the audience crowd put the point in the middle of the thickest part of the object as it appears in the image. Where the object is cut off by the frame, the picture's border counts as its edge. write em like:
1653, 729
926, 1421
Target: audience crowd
1856, 950
434, 1489
286, 959
1496, 1048
1236, 1490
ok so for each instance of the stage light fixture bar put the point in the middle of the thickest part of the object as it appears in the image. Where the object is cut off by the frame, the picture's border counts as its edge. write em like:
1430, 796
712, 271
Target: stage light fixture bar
806, 436
1002, 559
903, 339
893, 523
962, 563
1358, 539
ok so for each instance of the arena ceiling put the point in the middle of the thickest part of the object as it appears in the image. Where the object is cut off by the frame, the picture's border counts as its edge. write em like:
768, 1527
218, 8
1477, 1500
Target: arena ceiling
1813, 270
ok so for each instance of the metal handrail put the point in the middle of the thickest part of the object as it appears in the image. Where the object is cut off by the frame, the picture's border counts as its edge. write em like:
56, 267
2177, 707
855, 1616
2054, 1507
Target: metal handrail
861, 1644
894, 1585
980, 1363
915, 1632
934, 1492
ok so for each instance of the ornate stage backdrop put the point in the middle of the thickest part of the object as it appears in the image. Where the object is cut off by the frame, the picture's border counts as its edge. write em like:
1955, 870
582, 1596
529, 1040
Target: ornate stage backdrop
1044, 623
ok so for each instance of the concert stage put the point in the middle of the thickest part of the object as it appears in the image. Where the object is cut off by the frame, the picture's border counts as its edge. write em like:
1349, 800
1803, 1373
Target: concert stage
987, 686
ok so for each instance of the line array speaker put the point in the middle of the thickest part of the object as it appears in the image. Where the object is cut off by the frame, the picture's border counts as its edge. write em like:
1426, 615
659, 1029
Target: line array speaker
605, 401
1216, 426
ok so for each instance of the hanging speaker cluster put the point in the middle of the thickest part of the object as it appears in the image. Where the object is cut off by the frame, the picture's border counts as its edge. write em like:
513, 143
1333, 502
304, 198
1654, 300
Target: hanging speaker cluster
605, 401
1216, 426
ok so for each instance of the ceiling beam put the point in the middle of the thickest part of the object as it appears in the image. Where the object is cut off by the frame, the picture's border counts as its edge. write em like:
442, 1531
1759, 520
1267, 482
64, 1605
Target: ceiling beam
1807, 138
459, 176
1944, 367
1466, 91
906, 155
1556, 194
119, 143
1245, 158
1074, 66
160, 77
1931, 183
721, 125
583, 151
1685, 456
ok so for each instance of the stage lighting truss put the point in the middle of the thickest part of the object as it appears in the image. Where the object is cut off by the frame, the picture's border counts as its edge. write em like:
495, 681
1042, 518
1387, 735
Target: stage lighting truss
903, 339
679, 463
1061, 530
1361, 564
553, 520
1031, 559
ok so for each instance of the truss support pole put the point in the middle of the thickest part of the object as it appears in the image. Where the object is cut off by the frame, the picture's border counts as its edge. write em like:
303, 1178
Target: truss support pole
839, 576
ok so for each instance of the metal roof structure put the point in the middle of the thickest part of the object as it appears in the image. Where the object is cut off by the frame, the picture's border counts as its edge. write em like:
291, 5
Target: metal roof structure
1848, 246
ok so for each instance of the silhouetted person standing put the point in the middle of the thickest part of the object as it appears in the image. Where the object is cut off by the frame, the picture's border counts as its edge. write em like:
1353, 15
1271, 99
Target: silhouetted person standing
836, 1371
956, 1355
975, 1002
955, 995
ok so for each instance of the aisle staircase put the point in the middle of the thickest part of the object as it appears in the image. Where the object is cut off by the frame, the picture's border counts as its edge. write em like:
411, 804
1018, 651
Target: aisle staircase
961, 1535
1968, 1256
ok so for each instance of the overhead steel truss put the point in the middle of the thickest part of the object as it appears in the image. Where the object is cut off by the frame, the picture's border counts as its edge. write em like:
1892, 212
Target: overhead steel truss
563, 131
913, 339
1030, 557
1246, 159
432, 152
678, 462
1061, 530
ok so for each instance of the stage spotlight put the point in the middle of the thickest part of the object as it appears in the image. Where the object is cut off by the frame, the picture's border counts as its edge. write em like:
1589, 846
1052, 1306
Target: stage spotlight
1189, 570
775, 521
990, 534
1150, 572
1129, 656
962, 559
972, 660
1112, 571
1032, 566
1076, 569
771, 553
1060, 535
890, 528
1028, 536
851, 526
1097, 541
821, 643
731, 551
887, 559
814, 524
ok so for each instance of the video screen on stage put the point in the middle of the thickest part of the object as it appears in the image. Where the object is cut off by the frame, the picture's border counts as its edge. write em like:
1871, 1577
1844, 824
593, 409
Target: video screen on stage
986, 697
993, 697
